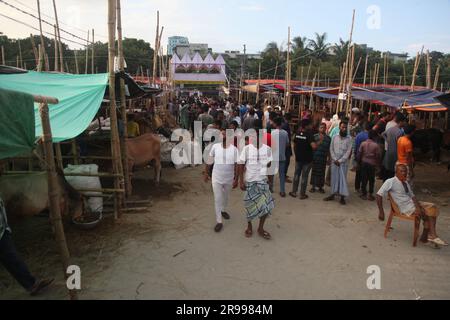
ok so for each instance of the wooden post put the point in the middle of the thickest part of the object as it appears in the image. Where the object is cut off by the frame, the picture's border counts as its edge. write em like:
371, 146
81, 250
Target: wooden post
93, 53
76, 156
155, 53
47, 67
35, 52
61, 53
115, 143
123, 105
59, 159
87, 54
54, 192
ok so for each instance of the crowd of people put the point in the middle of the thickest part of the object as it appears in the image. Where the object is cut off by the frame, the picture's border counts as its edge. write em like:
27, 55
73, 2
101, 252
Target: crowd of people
375, 146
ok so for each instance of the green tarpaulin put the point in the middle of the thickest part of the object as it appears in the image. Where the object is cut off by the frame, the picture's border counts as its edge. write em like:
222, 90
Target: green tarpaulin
17, 128
80, 97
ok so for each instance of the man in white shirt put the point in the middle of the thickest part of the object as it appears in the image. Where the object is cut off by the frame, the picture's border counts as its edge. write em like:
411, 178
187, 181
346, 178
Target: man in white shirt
224, 157
255, 161
401, 193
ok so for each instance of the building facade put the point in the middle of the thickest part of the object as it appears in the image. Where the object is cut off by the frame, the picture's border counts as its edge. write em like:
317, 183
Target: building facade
176, 41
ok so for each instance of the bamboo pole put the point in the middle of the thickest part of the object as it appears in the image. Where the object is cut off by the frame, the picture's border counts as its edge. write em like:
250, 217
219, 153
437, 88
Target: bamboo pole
123, 105
20, 54
436, 78
357, 69
77, 70
311, 97
301, 75
287, 96
155, 52
47, 67
346, 71
35, 52
365, 69
87, 53
54, 193
61, 53
3, 56
56, 49
115, 143
404, 74
429, 85
259, 84
93, 52
416, 68
388, 59
350, 82
46, 60
309, 70
67, 67
41, 60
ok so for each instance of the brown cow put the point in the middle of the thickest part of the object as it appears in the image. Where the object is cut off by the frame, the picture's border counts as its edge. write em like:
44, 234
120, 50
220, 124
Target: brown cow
143, 150
27, 195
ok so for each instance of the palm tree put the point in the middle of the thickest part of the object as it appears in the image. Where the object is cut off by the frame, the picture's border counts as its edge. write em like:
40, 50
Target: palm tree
340, 51
319, 46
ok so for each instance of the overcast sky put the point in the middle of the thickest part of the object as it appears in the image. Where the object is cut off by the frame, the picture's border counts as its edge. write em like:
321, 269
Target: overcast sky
398, 26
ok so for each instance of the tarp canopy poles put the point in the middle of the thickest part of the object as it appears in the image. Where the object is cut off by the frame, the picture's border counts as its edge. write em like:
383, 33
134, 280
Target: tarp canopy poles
80, 97
17, 124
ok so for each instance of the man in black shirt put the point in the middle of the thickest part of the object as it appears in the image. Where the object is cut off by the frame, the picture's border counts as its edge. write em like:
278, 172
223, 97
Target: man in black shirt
304, 145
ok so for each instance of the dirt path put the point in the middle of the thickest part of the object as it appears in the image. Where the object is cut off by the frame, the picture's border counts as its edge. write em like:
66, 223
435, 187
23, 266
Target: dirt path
319, 250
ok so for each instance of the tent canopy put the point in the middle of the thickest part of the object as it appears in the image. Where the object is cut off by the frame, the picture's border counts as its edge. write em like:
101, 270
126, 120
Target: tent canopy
80, 97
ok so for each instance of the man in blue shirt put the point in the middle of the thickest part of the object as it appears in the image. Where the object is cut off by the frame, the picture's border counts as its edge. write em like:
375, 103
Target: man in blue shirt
10, 259
360, 138
243, 110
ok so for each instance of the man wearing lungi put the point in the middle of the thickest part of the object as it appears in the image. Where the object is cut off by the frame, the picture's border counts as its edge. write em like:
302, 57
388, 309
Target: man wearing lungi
255, 160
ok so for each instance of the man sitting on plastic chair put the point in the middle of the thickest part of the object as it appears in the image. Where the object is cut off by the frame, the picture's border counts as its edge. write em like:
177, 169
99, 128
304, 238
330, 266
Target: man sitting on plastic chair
402, 194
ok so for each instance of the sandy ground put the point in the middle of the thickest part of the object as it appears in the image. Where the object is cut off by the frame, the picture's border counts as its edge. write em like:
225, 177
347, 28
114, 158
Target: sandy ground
319, 250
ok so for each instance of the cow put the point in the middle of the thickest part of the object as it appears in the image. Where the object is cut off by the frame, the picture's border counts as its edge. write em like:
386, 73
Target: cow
27, 195
142, 151
429, 139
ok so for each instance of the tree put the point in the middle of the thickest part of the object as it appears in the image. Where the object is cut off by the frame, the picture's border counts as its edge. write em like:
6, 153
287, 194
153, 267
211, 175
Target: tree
319, 46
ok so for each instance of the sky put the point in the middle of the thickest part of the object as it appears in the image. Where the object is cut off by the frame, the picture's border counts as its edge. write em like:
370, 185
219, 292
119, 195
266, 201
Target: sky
398, 26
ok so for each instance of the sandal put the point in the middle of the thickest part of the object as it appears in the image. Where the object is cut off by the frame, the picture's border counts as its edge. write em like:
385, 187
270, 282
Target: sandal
248, 233
293, 195
439, 242
265, 235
